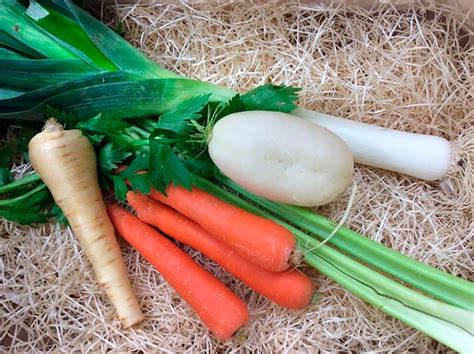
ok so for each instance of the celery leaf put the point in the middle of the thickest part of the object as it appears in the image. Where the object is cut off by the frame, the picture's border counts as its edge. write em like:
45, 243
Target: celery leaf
177, 119
67, 119
140, 182
120, 187
166, 167
271, 98
110, 156
103, 125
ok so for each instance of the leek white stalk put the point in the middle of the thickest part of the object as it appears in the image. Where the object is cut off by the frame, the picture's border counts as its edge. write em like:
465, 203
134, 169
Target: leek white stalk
422, 156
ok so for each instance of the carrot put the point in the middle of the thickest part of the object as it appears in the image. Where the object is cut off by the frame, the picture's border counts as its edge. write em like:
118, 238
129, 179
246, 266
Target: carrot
65, 160
218, 307
290, 288
260, 240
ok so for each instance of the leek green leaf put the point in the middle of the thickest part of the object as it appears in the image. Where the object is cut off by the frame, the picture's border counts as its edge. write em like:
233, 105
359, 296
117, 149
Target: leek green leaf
121, 53
7, 93
31, 105
18, 46
75, 39
30, 74
14, 23
6, 53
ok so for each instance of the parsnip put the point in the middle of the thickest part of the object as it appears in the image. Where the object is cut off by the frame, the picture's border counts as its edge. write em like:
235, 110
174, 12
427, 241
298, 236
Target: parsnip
66, 162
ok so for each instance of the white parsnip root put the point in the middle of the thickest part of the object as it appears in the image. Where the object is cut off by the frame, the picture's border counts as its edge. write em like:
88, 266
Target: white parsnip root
66, 162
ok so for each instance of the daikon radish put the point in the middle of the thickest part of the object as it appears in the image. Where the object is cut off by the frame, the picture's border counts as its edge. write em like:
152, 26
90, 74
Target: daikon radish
422, 156
281, 157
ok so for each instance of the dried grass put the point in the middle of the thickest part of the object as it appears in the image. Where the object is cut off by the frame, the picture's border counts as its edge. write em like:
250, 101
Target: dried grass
408, 70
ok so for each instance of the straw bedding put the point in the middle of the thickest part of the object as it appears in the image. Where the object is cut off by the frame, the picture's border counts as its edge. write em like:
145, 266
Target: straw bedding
410, 70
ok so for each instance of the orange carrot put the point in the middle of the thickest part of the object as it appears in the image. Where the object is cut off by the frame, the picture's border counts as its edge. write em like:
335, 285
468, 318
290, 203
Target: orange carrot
260, 240
219, 309
290, 288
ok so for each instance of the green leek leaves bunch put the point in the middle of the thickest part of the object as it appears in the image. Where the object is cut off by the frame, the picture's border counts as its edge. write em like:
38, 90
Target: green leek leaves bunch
57, 60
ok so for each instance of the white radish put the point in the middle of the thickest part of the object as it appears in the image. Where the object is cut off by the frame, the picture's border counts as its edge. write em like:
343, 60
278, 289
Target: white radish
422, 156
66, 162
281, 157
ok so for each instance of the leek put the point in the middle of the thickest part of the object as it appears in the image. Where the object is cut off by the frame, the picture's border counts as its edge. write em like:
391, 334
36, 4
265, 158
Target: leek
42, 35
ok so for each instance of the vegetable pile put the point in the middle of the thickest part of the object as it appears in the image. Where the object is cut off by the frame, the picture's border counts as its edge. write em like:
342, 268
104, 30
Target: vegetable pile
165, 130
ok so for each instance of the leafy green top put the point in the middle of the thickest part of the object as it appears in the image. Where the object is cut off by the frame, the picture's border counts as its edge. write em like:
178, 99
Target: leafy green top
167, 150
64, 63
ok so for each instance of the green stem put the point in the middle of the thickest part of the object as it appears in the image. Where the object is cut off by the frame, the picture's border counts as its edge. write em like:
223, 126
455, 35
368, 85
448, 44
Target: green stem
439, 320
146, 124
24, 181
444, 286
143, 133
12, 201
438, 329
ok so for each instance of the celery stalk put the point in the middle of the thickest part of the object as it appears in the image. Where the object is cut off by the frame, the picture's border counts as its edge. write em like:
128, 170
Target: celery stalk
444, 286
436, 328
448, 324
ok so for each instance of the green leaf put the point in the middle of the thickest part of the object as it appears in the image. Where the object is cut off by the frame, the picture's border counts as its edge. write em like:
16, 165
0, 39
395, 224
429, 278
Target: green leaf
202, 165
119, 99
66, 119
103, 125
58, 214
5, 176
30, 74
34, 215
74, 39
139, 163
20, 184
166, 167
271, 98
34, 198
217, 110
120, 187
121, 53
110, 156
141, 183
96, 138
31, 104
7, 153
177, 118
